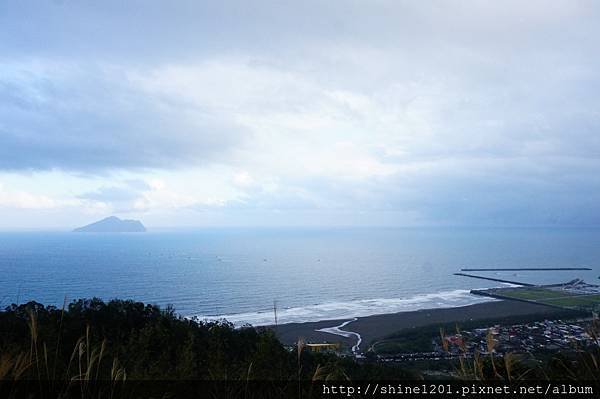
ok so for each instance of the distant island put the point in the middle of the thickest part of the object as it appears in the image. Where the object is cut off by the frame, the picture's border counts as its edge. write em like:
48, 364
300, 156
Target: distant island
113, 224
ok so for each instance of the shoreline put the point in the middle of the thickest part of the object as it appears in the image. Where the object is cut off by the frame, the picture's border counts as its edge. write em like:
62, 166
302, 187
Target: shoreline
376, 327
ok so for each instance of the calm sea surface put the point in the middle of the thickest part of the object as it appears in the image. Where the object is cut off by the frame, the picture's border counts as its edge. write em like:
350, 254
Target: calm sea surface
312, 274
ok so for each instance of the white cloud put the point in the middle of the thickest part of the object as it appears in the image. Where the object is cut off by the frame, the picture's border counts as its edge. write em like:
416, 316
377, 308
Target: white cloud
243, 179
26, 200
160, 197
433, 110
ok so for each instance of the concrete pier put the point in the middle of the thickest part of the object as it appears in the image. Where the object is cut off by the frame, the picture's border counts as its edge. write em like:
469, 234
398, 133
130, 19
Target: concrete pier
520, 269
495, 279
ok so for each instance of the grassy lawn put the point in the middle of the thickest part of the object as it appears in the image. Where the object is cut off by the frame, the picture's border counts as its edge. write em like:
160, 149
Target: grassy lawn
552, 297
585, 300
533, 293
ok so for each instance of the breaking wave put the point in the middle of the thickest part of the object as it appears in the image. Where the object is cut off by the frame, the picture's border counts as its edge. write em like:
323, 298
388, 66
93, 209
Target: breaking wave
351, 309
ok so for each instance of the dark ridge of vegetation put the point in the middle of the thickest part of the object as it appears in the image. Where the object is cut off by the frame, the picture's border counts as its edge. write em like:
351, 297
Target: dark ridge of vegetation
121, 339
92, 340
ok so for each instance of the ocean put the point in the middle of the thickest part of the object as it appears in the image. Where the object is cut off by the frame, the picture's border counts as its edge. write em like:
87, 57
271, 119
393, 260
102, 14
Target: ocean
309, 274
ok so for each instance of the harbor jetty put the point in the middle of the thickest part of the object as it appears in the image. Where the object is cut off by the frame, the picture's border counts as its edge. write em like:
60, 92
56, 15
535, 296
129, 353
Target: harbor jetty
494, 279
521, 269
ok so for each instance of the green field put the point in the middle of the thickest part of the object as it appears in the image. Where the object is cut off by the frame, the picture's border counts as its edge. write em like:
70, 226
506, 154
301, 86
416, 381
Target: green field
529, 293
581, 300
546, 296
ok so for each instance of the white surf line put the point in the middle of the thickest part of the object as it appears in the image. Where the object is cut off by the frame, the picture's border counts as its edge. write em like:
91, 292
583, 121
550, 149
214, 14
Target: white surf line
337, 330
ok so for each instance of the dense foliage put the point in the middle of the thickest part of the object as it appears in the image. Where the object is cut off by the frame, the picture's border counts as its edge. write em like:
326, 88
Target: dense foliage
126, 338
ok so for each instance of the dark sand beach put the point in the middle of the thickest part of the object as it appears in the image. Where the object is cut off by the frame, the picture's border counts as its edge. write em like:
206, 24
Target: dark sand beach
375, 327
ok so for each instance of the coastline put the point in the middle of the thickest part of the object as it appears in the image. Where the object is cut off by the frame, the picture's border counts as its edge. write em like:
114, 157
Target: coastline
376, 327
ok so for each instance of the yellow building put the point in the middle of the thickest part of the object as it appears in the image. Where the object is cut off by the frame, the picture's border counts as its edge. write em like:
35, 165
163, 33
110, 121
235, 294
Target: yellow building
325, 347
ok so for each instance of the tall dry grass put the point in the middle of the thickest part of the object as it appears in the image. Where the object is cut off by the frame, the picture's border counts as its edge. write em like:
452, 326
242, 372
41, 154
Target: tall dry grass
87, 363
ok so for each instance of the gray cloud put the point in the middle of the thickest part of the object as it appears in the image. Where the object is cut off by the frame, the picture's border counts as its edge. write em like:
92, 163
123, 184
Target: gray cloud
114, 194
119, 198
83, 118
456, 112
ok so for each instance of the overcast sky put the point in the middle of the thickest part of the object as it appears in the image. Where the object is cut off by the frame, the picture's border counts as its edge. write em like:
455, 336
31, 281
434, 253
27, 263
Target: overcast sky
237, 113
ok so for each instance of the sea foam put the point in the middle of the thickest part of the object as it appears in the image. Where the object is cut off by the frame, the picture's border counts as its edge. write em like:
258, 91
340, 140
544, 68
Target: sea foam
351, 309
